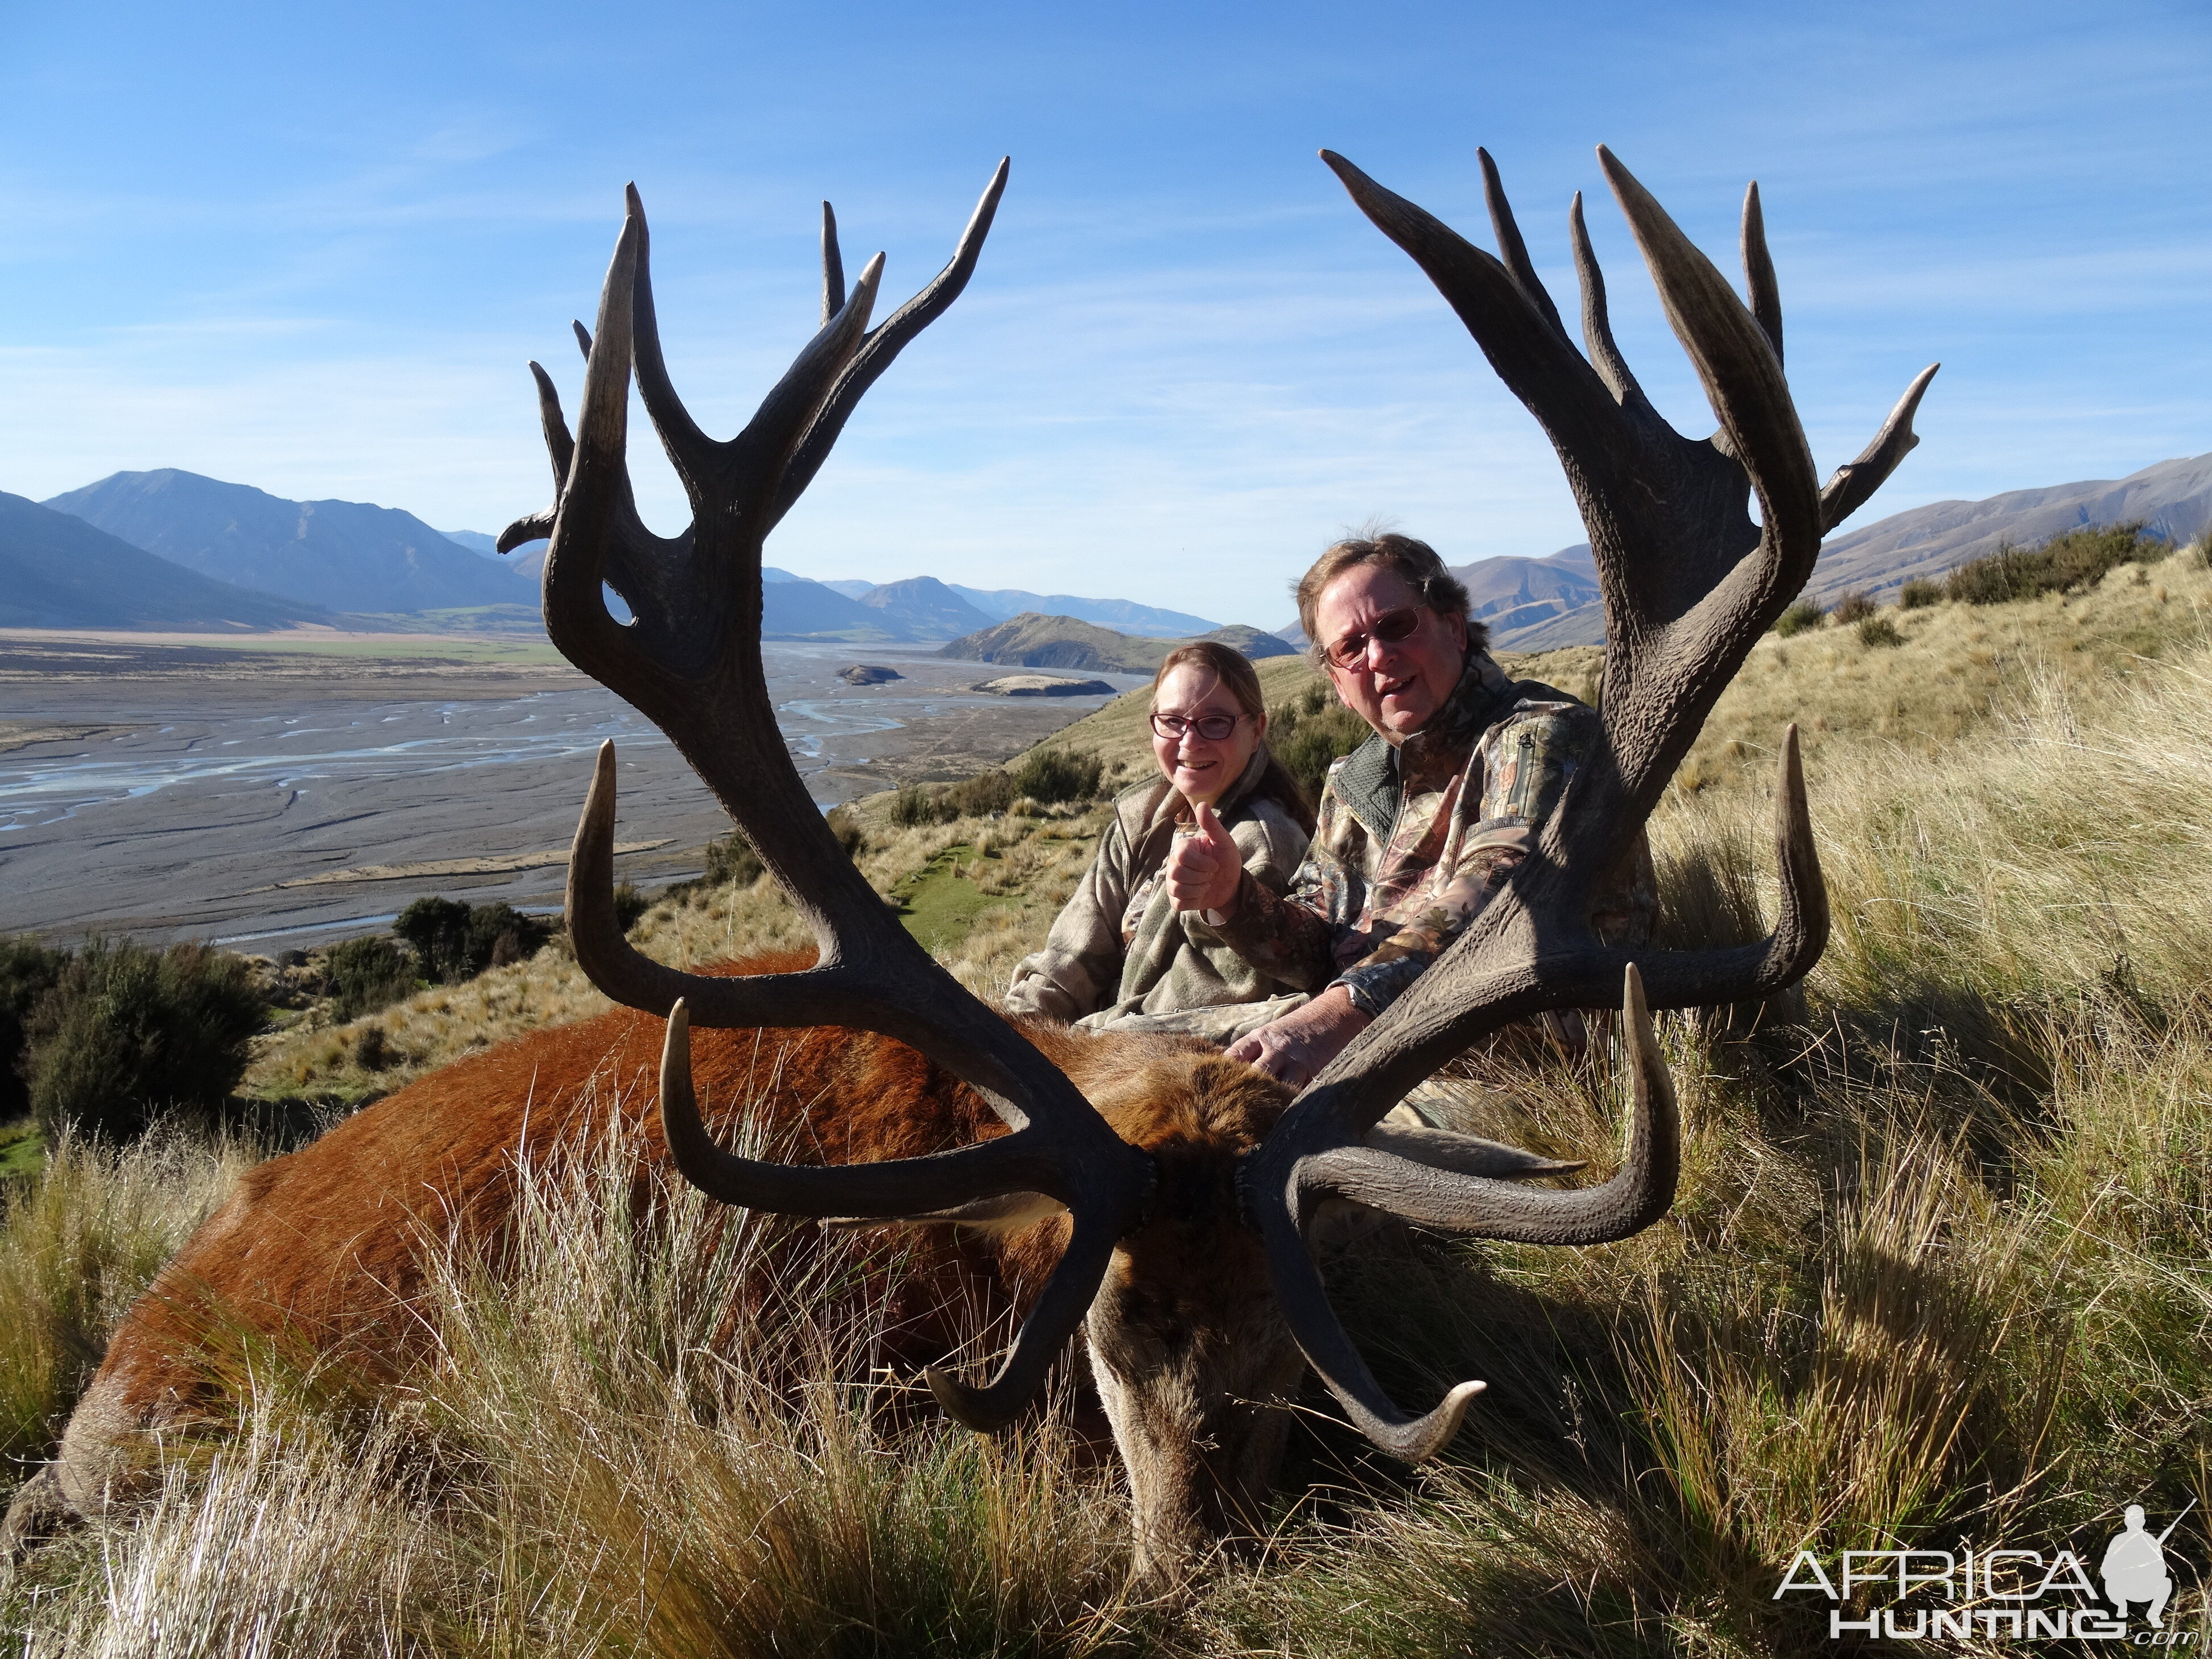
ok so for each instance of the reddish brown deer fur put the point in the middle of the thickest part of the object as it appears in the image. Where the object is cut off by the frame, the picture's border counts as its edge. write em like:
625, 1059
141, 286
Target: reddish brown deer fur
326, 1250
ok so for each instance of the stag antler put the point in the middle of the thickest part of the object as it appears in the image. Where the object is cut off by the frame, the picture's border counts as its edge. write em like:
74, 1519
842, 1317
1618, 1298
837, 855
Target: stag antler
692, 663
1689, 582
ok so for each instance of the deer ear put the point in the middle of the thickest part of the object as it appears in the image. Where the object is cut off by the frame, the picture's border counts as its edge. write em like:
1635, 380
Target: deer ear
1007, 1212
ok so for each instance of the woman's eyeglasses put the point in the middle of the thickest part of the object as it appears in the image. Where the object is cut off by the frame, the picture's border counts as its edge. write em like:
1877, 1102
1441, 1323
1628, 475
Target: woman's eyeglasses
1390, 627
1214, 728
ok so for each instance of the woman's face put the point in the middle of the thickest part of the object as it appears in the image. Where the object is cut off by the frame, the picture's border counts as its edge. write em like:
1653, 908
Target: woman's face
1201, 768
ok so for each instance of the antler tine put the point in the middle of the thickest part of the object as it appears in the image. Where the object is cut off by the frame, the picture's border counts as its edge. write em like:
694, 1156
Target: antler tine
884, 344
1511, 247
1528, 349
1760, 290
833, 266
691, 451
561, 448
1490, 1208
1742, 377
1855, 480
1598, 323
583, 337
1059, 1308
1638, 1194
908, 1187
589, 511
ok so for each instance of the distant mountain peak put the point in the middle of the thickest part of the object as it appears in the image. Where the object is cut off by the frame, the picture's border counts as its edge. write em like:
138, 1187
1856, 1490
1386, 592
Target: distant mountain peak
341, 555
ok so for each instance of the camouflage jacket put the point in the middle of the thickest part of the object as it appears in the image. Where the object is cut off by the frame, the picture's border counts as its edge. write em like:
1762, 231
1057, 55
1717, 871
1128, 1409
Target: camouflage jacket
1411, 845
1119, 950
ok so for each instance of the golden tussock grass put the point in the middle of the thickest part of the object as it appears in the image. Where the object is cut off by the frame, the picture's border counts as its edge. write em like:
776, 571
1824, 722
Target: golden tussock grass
1938, 1275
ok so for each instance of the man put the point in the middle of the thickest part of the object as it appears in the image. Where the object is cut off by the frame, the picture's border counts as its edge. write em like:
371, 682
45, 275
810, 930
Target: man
1419, 826
2134, 1568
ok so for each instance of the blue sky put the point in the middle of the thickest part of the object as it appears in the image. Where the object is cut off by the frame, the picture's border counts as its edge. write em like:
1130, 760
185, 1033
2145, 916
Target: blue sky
312, 252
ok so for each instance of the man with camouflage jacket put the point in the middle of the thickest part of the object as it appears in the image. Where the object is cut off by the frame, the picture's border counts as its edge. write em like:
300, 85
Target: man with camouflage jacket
1419, 825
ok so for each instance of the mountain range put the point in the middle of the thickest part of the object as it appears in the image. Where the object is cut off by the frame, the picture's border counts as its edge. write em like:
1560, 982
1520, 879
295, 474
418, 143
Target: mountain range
270, 563
1540, 604
57, 571
340, 555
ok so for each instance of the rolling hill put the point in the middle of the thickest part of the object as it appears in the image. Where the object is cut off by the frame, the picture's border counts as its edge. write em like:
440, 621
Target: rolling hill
341, 555
1124, 616
1035, 640
923, 608
57, 571
1530, 603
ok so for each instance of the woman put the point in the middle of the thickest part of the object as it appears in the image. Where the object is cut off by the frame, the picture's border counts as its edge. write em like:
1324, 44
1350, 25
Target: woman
1122, 955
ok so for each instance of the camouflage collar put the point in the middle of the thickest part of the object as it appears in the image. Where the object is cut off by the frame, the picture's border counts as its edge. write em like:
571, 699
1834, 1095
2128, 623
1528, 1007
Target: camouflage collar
1370, 782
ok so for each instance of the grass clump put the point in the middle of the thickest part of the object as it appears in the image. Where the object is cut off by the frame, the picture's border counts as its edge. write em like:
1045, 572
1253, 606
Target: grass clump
79, 1240
1880, 632
2065, 563
1800, 617
1855, 606
127, 1034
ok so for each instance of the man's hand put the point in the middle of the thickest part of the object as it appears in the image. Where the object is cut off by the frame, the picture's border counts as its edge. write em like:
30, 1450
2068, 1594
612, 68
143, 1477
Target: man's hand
1204, 870
1295, 1048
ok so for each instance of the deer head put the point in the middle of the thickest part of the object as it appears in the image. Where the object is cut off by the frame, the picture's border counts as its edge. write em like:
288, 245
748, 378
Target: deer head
1689, 582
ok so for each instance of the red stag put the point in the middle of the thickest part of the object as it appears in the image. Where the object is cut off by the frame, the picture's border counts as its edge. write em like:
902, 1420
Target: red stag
1168, 1189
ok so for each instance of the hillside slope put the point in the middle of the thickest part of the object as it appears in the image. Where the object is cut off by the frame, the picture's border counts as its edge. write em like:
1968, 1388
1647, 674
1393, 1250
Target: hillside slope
1122, 616
57, 571
923, 608
1032, 641
2173, 499
344, 556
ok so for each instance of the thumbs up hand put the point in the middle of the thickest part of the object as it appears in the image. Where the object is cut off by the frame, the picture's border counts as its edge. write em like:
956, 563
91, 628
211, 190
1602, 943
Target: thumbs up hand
1205, 868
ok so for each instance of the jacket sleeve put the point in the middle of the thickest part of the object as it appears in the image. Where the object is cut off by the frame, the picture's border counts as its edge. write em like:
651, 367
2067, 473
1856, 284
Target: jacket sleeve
1287, 934
1527, 759
1080, 969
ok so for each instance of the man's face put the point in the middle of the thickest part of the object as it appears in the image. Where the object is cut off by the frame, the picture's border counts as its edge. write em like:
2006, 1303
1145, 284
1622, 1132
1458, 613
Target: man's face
1394, 685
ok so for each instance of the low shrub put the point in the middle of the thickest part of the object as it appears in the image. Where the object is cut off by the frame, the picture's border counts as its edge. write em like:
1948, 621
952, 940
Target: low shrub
1918, 594
1309, 732
1879, 631
127, 1033
1855, 606
1798, 618
361, 975
847, 828
1051, 775
2079, 558
985, 795
454, 941
731, 862
28, 970
629, 905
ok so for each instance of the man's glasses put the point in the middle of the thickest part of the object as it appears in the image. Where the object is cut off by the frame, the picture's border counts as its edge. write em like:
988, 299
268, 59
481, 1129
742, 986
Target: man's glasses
1214, 728
1390, 627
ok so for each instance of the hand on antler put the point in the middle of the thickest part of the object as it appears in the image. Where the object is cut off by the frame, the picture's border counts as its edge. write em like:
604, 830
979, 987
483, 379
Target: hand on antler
1294, 1048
